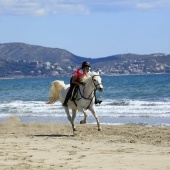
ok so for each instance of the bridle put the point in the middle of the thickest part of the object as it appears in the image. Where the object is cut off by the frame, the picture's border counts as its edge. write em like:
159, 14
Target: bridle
95, 85
91, 96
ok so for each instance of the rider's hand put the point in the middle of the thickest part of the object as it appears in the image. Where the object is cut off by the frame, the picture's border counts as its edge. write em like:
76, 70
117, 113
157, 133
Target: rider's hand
82, 83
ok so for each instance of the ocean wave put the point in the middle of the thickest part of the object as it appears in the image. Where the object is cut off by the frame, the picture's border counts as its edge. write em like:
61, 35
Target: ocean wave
110, 111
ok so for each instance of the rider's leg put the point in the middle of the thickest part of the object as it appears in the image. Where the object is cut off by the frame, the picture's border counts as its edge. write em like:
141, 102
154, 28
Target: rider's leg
68, 94
67, 97
96, 100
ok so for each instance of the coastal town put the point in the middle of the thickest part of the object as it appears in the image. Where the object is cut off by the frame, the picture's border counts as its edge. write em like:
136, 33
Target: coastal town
115, 68
48, 69
24, 60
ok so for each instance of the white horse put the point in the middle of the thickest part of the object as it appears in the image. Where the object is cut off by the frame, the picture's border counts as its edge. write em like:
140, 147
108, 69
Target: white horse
85, 100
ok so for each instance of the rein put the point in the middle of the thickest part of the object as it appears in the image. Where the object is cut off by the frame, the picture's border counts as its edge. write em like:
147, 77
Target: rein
91, 96
94, 83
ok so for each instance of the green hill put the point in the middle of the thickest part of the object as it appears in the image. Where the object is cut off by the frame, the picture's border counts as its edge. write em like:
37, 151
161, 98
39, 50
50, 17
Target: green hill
27, 59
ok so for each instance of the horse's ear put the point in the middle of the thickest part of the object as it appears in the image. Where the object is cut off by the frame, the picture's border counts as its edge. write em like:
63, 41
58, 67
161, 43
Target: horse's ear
98, 73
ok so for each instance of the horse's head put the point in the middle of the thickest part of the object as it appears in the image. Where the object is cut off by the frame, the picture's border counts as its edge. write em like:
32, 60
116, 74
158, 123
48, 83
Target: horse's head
97, 81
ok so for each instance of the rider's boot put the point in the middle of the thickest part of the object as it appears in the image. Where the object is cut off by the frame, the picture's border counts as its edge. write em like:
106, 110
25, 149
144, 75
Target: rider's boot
66, 99
98, 101
65, 104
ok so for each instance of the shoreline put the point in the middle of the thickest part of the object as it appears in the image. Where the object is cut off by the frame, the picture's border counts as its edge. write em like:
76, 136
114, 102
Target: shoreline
64, 120
121, 124
66, 76
160, 122
50, 146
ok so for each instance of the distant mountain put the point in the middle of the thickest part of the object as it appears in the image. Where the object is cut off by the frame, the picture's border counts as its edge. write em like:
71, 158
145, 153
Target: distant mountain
21, 51
25, 59
26, 52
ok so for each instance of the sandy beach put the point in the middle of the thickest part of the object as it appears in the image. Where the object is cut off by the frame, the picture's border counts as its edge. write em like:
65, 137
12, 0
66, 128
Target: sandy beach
52, 146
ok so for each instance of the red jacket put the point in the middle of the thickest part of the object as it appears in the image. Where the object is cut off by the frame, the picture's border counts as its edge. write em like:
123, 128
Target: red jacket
78, 73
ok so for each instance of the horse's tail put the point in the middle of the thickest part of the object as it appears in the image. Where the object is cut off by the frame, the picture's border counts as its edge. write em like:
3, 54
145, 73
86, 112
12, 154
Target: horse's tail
54, 91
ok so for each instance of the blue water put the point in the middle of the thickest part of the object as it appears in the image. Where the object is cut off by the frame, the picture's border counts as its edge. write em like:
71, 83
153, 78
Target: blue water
132, 99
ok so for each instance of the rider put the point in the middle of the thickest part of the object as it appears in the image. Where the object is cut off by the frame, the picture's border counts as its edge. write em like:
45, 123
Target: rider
75, 80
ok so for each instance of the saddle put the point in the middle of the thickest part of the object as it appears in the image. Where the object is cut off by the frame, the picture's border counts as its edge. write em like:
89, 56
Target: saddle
75, 94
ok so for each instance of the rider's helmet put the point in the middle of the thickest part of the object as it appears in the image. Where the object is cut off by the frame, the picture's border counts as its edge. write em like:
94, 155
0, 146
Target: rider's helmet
85, 63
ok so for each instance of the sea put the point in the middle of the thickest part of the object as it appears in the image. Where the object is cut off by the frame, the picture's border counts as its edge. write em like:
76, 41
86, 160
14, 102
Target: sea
127, 100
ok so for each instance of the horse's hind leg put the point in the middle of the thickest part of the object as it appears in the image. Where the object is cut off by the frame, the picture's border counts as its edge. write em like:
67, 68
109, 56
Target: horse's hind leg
74, 112
69, 117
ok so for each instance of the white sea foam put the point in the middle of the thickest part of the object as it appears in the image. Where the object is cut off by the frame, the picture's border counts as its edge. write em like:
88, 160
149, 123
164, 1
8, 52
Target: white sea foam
106, 109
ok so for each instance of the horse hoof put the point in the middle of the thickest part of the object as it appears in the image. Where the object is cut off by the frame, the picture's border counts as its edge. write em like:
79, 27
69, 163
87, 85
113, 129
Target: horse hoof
82, 122
74, 129
100, 129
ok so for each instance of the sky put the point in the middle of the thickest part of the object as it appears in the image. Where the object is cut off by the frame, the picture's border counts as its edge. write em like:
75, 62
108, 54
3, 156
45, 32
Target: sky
88, 28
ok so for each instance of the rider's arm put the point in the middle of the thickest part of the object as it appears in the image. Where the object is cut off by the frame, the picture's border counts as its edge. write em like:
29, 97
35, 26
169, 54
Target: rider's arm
74, 80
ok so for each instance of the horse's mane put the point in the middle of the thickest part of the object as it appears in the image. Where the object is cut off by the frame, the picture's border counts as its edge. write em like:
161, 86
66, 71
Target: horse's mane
86, 78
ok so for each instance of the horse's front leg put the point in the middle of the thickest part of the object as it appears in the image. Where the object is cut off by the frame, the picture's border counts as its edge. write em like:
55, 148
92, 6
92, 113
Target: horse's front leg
85, 116
96, 117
